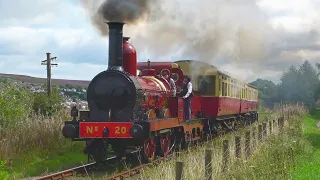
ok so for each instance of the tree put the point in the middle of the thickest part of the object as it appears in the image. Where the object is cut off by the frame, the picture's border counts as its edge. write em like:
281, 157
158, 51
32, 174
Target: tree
267, 91
299, 85
14, 103
47, 105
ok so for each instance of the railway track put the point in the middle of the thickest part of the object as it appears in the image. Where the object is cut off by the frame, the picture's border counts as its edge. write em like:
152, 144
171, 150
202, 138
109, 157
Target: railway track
85, 169
81, 170
136, 170
70, 172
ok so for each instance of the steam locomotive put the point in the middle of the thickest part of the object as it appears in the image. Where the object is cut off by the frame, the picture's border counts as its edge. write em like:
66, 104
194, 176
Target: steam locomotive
132, 105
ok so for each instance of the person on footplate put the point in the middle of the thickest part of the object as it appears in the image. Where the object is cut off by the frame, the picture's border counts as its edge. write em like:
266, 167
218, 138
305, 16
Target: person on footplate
187, 95
171, 82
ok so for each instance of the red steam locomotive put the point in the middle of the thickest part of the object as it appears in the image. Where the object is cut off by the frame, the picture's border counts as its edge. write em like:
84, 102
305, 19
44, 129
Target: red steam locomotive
131, 104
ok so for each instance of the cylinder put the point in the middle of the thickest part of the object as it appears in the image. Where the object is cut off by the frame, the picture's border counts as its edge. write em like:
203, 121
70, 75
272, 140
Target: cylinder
129, 57
115, 46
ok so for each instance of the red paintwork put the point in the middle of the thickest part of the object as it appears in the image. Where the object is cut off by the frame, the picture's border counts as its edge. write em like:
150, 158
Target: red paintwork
221, 106
180, 109
152, 89
173, 106
195, 105
95, 129
129, 57
148, 72
158, 66
149, 84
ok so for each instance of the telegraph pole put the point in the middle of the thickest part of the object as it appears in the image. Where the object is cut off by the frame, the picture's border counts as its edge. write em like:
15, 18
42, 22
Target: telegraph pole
49, 64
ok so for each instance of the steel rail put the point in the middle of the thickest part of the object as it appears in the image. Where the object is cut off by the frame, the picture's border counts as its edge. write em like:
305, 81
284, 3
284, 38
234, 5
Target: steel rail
70, 172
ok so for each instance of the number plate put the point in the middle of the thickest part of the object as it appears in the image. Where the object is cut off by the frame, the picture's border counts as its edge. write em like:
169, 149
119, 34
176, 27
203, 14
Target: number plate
95, 129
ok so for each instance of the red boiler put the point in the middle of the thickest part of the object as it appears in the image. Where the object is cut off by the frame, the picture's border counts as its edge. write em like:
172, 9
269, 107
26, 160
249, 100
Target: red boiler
129, 57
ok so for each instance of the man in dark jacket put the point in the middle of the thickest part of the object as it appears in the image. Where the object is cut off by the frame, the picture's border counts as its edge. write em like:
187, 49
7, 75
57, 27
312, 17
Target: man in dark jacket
187, 95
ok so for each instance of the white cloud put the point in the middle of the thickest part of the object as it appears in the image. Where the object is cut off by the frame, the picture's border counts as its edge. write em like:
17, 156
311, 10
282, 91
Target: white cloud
295, 16
29, 30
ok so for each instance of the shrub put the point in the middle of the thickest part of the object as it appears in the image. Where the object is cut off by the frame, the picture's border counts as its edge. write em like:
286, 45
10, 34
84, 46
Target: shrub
47, 105
15, 104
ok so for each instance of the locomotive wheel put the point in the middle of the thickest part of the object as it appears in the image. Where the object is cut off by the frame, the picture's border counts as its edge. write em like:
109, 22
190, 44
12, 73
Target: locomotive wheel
165, 143
149, 149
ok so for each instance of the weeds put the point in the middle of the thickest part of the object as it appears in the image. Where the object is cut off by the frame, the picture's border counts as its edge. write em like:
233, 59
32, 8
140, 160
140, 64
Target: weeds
28, 136
273, 159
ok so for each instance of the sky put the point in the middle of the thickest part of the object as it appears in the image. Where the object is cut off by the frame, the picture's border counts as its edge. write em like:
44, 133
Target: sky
289, 34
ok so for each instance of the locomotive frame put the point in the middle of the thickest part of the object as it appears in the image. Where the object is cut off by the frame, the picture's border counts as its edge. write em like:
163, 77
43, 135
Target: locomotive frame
138, 110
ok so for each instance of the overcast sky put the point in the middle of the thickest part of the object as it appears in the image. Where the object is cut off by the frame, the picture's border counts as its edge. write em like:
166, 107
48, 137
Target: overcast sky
29, 29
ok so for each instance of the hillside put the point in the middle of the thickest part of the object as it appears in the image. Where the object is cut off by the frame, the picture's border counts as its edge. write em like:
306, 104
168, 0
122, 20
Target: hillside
37, 80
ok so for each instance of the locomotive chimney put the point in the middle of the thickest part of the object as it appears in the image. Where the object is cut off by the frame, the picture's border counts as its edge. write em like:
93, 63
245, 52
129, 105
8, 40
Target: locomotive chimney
115, 46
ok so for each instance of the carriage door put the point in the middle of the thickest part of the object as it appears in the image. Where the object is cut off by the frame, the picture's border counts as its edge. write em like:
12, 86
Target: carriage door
181, 109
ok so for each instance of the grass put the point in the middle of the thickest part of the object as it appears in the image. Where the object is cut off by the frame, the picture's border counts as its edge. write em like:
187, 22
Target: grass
308, 163
280, 156
36, 146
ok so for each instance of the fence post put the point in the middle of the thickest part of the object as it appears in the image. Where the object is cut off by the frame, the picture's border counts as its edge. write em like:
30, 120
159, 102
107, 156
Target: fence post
259, 132
281, 120
238, 146
179, 170
274, 126
225, 153
254, 140
264, 130
247, 144
270, 127
208, 164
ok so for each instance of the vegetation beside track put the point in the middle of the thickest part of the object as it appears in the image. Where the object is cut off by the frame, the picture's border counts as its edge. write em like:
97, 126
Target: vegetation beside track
31, 142
294, 153
307, 165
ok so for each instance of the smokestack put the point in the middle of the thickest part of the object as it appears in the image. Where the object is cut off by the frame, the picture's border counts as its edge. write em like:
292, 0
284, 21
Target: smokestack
115, 46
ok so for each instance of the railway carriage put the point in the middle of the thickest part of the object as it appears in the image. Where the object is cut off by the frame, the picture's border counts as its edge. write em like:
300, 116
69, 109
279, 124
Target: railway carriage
131, 104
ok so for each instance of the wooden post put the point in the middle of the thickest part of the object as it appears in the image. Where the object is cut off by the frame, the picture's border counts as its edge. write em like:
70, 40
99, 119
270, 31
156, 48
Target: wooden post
259, 132
238, 146
179, 170
208, 164
270, 127
225, 153
48, 63
280, 122
264, 130
48, 74
254, 139
247, 144
274, 126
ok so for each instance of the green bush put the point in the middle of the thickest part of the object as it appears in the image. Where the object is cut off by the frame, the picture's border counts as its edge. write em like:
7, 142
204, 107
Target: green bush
4, 171
47, 105
15, 104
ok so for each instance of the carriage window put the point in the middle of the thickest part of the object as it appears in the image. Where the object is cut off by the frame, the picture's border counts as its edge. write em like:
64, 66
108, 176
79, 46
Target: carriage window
207, 84
223, 90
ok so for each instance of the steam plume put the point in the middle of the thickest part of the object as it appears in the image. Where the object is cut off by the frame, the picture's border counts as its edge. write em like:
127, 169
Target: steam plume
128, 11
208, 30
